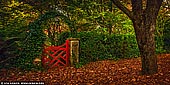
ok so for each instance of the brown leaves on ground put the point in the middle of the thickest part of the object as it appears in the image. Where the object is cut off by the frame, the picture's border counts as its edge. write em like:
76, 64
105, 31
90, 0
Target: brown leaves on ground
108, 72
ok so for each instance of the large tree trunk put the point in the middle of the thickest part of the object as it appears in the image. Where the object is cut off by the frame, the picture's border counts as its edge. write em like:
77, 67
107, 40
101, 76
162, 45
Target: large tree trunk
146, 44
144, 22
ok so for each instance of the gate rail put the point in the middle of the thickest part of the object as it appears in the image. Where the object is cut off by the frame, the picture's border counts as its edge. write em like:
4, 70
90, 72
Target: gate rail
56, 55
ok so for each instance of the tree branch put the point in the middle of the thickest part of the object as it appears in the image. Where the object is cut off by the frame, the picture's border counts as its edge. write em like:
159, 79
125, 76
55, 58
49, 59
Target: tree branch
123, 8
136, 6
153, 7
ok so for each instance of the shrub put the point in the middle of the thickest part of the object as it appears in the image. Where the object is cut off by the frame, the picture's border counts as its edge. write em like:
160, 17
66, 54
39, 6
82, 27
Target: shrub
97, 46
166, 36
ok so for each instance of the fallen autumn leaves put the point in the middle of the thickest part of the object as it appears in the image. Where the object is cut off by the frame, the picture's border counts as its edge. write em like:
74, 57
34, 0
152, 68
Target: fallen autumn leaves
108, 72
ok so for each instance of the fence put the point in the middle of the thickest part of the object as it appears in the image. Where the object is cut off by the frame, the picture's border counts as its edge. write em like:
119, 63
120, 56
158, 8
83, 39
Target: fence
62, 55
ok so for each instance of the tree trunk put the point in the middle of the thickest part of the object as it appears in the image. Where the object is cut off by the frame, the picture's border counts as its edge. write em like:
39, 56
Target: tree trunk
144, 22
146, 44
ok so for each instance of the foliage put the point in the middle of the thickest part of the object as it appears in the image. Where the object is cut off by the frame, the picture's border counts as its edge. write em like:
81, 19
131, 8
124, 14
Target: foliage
166, 36
98, 46
32, 46
159, 44
21, 19
163, 27
16, 17
91, 15
95, 45
63, 36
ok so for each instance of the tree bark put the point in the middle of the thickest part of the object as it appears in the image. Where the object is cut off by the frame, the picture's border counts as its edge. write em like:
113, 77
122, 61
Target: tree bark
144, 22
146, 43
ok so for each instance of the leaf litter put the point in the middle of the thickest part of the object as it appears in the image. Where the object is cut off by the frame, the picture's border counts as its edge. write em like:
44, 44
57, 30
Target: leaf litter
106, 72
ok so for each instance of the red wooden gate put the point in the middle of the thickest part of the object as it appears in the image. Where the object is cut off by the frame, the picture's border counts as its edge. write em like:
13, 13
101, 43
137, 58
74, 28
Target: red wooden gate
56, 55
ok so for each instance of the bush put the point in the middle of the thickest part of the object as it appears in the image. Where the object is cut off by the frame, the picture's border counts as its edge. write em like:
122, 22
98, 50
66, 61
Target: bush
159, 44
62, 37
97, 46
166, 36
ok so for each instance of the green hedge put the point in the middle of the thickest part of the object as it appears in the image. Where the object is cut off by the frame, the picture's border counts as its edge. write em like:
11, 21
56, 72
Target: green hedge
97, 46
166, 36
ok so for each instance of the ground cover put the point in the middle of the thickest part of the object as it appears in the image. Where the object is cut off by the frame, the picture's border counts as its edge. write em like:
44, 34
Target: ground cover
106, 72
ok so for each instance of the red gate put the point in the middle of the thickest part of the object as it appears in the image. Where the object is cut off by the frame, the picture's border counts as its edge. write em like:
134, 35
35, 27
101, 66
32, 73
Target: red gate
56, 55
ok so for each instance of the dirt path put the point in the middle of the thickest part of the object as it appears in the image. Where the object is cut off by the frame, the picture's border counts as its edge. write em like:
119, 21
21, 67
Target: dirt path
122, 72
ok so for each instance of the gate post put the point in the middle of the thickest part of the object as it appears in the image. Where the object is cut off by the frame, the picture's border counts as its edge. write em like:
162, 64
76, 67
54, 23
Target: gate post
74, 50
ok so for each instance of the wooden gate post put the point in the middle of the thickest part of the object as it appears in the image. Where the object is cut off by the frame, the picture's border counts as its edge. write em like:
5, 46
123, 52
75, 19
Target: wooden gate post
74, 50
